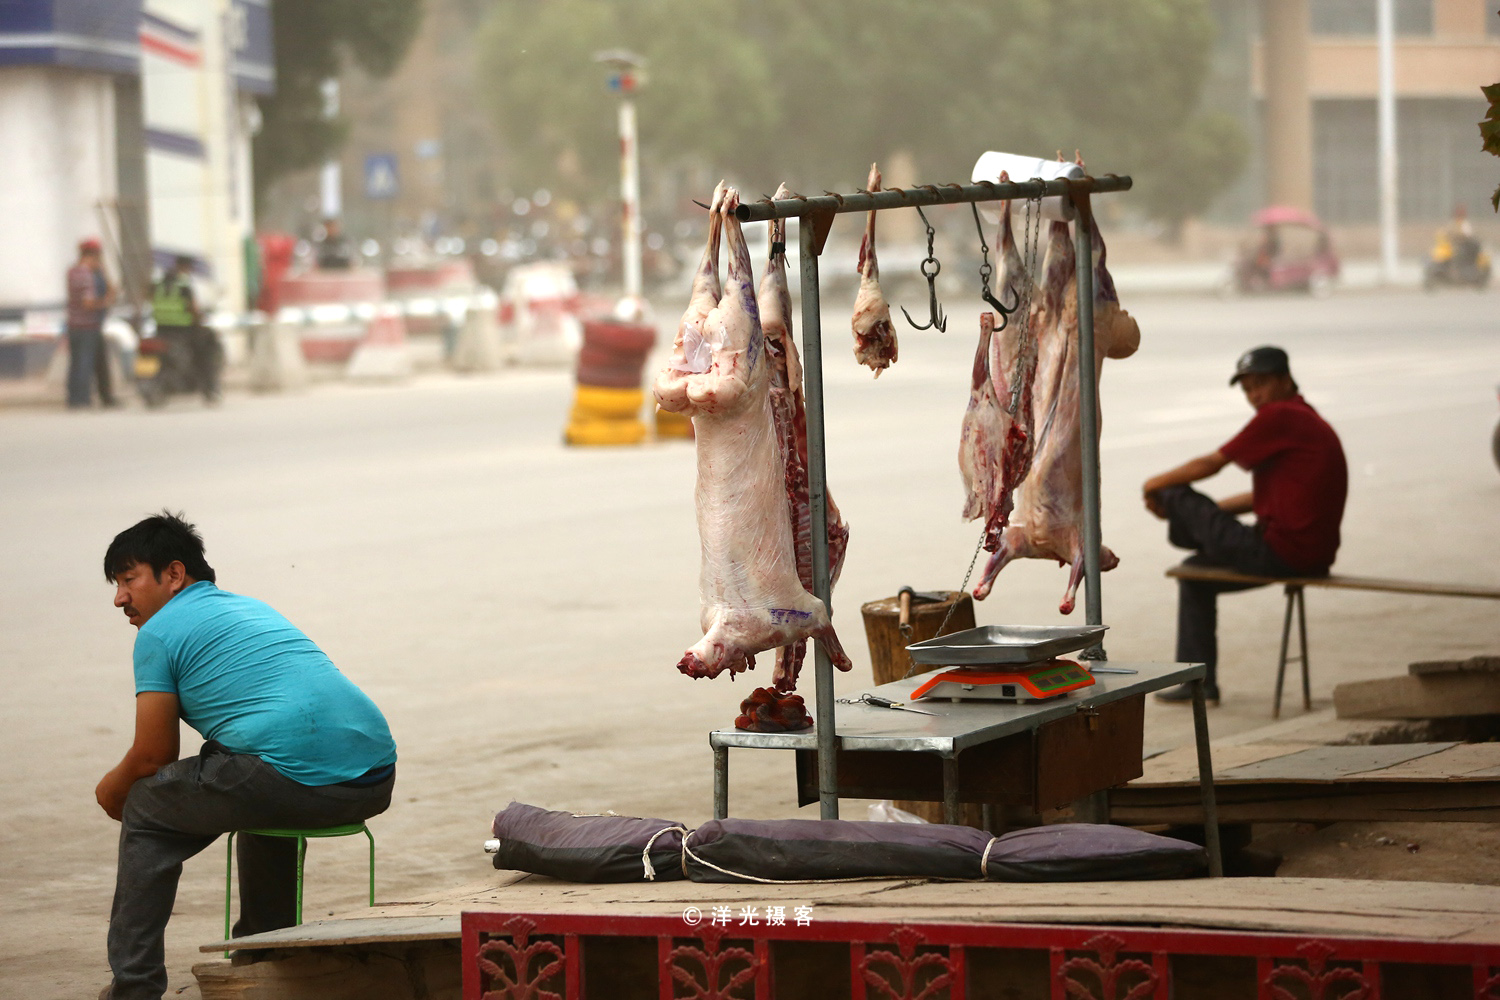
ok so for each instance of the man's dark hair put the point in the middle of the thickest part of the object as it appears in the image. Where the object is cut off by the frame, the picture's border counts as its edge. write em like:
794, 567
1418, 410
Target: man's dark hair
158, 541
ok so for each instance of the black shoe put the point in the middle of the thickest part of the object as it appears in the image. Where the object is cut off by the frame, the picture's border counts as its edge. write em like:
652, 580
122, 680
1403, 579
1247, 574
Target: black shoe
1183, 693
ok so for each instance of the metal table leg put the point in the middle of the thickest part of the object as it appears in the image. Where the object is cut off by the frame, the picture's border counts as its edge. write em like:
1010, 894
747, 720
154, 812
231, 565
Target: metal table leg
951, 808
1206, 782
721, 782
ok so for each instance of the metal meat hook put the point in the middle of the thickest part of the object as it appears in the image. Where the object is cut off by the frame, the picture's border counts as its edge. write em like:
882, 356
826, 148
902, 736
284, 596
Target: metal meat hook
937, 319
985, 270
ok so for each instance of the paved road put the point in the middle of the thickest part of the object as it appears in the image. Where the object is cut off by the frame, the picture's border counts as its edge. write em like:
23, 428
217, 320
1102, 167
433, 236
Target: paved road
517, 607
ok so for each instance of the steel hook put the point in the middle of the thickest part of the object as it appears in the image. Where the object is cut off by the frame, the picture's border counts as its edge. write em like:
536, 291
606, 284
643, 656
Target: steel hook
936, 317
985, 270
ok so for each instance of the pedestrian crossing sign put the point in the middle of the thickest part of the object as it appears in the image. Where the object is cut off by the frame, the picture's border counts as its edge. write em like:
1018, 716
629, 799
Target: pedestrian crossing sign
381, 179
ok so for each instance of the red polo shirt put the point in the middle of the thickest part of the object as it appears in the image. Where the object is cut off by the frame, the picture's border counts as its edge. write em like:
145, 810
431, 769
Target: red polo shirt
1300, 481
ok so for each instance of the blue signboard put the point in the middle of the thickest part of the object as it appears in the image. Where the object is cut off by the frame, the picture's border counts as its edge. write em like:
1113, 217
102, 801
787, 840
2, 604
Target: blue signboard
99, 35
381, 178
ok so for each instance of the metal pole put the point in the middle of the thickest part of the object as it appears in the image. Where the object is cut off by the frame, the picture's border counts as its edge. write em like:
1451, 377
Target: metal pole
630, 195
1206, 781
1385, 32
817, 491
928, 194
1088, 419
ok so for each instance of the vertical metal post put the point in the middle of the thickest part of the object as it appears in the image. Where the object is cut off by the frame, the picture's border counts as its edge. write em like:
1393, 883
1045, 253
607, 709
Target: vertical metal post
817, 489
1385, 32
1206, 780
630, 198
1088, 418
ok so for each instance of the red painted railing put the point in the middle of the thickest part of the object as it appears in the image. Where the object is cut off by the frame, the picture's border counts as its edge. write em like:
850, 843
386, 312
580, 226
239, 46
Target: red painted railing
517, 956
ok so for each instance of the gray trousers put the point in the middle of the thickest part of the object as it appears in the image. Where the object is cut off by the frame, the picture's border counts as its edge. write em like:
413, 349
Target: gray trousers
182, 809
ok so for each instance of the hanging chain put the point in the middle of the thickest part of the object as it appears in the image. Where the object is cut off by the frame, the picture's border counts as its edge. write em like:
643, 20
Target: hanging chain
963, 589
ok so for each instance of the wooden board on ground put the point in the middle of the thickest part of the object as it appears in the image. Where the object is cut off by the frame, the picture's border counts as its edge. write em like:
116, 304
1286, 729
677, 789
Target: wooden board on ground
1485, 664
1420, 910
1331, 763
1278, 782
1425, 696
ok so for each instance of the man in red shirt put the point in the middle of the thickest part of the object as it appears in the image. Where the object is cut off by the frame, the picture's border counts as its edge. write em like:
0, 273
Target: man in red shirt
89, 297
1299, 482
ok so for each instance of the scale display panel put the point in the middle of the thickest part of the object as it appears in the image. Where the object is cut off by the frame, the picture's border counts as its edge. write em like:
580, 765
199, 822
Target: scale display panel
1029, 682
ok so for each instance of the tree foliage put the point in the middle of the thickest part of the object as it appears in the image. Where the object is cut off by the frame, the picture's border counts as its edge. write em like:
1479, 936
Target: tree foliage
811, 91
312, 39
1489, 130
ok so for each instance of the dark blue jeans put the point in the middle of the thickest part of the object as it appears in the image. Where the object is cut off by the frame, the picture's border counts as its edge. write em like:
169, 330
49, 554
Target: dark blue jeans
88, 362
182, 809
1219, 539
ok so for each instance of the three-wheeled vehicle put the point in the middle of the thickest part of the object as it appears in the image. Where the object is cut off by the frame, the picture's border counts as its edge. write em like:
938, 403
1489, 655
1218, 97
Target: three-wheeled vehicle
1289, 251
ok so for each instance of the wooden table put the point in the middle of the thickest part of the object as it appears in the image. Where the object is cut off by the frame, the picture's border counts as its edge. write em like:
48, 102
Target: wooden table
1045, 753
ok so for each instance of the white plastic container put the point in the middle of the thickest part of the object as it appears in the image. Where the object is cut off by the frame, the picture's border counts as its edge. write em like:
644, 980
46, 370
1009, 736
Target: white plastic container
1025, 168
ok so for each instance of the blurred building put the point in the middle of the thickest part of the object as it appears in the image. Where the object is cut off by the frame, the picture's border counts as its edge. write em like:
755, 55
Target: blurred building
423, 126
1302, 74
127, 120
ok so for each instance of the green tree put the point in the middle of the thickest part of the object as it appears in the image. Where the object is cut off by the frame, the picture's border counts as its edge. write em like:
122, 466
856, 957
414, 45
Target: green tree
1489, 130
312, 38
811, 91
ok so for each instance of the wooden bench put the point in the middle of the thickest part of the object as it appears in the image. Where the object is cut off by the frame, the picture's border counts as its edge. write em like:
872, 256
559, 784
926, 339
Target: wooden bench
1294, 586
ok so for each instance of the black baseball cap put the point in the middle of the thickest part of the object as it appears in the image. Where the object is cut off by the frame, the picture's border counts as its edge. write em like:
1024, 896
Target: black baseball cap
1261, 361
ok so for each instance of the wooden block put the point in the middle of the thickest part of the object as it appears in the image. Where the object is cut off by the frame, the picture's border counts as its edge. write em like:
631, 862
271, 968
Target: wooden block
1486, 664
1429, 696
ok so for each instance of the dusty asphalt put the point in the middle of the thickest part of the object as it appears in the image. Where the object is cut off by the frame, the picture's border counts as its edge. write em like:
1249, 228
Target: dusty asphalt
516, 607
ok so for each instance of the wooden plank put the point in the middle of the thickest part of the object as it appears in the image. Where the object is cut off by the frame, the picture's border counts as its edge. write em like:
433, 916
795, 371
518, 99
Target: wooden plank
1461, 762
1318, 764
1420, 910
1487, 664
1429, 696
1475, 801
1180, 766
1338, 582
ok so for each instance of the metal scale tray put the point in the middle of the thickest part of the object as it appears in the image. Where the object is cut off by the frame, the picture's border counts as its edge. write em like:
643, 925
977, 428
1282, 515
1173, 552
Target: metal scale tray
1005, 644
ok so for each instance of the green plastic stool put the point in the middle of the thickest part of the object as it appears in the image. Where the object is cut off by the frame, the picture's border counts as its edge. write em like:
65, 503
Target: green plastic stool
302, 837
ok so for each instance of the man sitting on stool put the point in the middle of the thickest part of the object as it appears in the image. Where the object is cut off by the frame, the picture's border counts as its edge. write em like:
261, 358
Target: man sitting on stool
1299, 482
291, 743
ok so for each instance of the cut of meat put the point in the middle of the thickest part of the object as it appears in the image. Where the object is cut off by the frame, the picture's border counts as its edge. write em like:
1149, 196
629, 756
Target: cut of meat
1048, 519
752, 597
874, 337
996, 441
789, 411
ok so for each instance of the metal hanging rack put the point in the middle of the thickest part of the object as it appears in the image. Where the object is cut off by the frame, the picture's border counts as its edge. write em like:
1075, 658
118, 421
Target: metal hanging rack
815, 219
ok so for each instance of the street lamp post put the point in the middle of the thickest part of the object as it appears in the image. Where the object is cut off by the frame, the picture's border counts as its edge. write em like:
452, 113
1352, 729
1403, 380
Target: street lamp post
627, 72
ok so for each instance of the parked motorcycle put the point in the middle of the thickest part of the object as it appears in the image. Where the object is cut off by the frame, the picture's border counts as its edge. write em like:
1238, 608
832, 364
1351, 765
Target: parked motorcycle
166, 365
1457, 259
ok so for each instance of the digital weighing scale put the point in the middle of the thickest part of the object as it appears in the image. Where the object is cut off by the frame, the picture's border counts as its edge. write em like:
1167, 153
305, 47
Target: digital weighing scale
1005, 662
1029, 682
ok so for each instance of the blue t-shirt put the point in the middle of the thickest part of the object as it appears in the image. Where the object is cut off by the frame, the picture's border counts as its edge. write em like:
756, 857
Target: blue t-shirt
248, 678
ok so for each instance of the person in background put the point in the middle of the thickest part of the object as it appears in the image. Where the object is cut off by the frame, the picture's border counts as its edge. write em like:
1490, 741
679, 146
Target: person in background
1299, 483
290, 743
335, 250
89, 296
179, 319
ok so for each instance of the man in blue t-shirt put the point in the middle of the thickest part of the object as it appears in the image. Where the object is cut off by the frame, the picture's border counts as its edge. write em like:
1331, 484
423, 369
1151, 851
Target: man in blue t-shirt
291, 742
